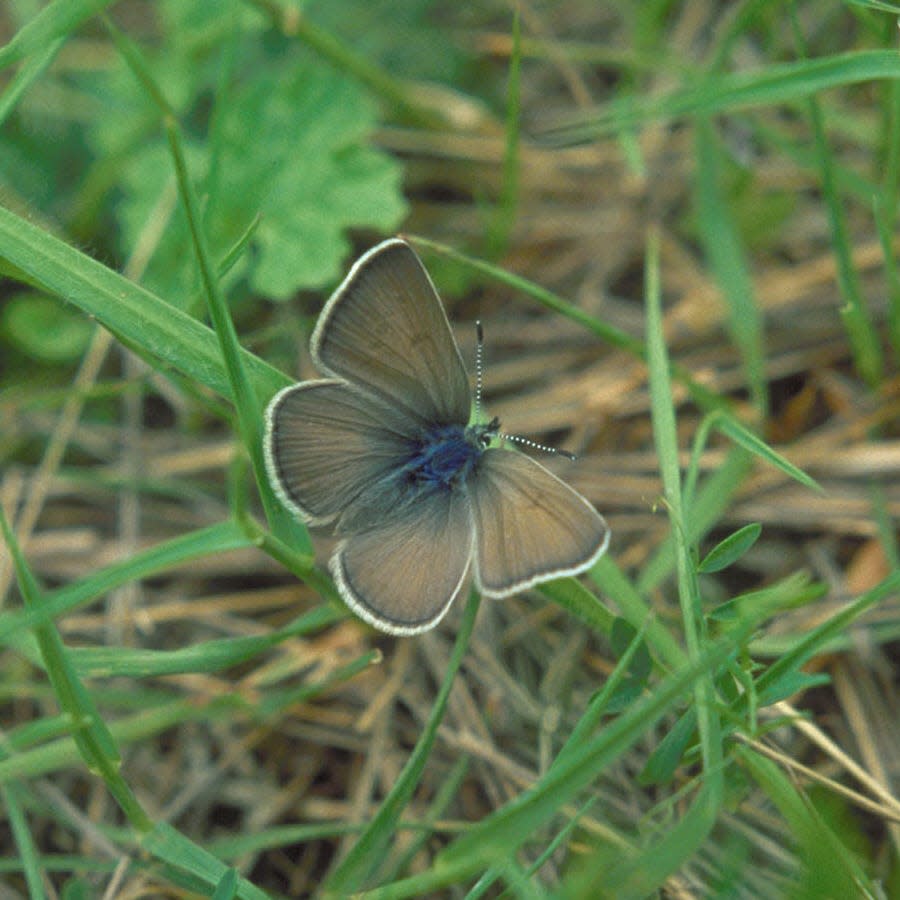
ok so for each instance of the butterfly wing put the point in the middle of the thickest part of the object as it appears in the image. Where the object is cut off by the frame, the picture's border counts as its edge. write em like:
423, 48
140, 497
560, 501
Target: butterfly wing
327, 445
402, 577
529, 525
385, 331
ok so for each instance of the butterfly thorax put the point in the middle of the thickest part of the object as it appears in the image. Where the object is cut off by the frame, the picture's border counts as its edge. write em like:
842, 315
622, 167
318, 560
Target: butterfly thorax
445, 455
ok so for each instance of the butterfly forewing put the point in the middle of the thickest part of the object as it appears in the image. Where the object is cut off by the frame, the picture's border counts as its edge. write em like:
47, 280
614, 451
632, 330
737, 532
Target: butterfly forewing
403, 576
529, 525
385, 331
326, 445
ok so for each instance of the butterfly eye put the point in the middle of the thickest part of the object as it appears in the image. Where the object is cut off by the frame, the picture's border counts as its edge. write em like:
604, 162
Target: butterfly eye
484, 434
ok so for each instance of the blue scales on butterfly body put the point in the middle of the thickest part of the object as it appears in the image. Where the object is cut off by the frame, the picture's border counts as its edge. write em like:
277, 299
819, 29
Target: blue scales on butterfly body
446, 455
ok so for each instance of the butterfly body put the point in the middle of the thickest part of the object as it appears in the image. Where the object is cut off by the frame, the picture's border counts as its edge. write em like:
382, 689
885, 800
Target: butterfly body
381, 450
447, 455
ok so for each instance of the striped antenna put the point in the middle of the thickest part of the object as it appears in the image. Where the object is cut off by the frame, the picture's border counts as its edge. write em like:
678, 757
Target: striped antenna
479, 385
534, 445
479, 366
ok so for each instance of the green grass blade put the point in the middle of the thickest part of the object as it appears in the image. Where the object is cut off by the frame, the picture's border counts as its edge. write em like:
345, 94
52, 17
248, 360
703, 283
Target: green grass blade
90, 734
745, 438
861, 333
613, 583
209, 656
501, 834
817, 640
574, 597
884, 219
54, 21
26, 76
195, 545
830, 869
774, 84
167, 334
504, 213
29, 857
170, 845
227, 886
62, 753
366, 854
665, 437
722, 246
613, 336
642, 874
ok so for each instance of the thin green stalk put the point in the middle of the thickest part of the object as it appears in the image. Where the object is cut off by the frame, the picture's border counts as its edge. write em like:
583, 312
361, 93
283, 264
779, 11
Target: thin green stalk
665, 437
244, 399
294, 23
723, 248
890, 177
93, 739
861, 334
33, 68
366, 854
504, 216
243, 395
56, 20
27, 851
885, 218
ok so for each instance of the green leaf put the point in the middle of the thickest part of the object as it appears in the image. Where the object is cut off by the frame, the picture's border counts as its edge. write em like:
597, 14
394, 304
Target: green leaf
665, 759
790, 684
724, 248
626, 693
789, 593
623, 633
44, 329
731, 549
289, 143
401, 37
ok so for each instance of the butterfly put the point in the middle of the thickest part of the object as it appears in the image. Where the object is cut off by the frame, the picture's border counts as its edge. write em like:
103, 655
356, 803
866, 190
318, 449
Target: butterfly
382, 450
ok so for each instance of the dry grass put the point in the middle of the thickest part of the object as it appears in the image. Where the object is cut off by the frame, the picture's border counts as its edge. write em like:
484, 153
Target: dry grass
89, 494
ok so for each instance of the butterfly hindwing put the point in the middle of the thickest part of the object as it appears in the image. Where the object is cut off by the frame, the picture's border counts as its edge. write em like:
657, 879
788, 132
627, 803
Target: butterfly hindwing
529, 525
403, 576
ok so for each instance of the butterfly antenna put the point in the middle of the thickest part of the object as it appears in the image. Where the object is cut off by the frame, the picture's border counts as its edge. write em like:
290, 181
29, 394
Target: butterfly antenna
534, 445
479, 366
479, 385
